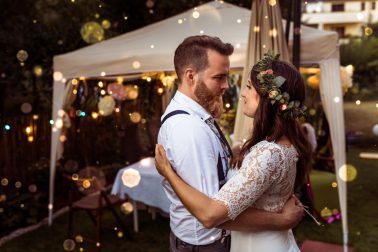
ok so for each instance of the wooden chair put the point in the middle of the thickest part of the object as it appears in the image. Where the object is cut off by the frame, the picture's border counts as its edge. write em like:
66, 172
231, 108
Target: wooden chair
90, 182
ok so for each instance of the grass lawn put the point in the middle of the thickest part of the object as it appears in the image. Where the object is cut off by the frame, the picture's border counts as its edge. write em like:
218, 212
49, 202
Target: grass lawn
154, 235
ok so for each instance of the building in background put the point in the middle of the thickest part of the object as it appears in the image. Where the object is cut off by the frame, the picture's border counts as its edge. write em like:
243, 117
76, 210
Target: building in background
347, 17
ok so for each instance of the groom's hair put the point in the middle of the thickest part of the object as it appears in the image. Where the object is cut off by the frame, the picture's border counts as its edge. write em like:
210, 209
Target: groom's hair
192, 52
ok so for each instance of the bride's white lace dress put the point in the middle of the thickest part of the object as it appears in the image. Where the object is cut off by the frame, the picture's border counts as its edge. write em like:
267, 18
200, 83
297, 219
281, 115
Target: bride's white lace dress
265, 181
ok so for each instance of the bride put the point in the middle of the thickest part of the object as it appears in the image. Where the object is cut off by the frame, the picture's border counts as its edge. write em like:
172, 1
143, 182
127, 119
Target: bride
271, 165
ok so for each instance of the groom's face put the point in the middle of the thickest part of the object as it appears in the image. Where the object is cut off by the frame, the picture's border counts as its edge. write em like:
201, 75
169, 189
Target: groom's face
212, 83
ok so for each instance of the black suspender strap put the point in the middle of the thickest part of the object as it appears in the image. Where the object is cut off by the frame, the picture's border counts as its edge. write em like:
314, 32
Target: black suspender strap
172, 113
223, 138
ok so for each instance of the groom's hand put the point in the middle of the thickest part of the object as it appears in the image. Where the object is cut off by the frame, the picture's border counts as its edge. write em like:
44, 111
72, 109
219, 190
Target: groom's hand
292, 212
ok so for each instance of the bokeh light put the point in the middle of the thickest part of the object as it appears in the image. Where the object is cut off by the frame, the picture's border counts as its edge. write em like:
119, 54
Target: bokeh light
68, 245
347, 173
127, 208
375, 129
79, 238
92, 32
22, 55
326, 212
131, 177
135, 117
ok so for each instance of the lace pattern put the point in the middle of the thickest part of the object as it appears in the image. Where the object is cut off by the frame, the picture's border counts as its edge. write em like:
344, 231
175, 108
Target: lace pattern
265, 180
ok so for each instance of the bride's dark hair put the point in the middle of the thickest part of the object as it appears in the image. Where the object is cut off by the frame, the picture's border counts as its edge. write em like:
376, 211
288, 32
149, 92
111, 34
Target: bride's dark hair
269, 124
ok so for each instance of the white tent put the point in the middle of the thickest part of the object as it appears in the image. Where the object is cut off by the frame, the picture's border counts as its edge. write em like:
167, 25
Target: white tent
151, 48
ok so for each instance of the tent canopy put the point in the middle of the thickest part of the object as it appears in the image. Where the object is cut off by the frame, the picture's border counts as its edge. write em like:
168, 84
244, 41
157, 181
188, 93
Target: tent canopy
230, 23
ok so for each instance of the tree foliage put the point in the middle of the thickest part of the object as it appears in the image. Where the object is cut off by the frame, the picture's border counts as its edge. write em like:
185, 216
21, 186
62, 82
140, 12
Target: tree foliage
362, 53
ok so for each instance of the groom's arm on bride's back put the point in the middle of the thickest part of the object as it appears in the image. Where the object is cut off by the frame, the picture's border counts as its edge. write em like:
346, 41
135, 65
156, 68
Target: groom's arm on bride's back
253, 219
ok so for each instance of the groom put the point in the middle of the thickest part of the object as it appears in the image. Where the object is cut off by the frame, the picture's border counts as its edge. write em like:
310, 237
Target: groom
196, 147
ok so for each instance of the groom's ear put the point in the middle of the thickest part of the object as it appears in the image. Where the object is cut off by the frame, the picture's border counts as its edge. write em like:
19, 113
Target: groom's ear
189, 76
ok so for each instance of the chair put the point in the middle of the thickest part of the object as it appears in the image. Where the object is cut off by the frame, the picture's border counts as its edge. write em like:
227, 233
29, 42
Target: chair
90, 183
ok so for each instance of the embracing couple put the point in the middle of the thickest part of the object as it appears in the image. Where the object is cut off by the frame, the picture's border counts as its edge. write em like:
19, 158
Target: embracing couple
212, 193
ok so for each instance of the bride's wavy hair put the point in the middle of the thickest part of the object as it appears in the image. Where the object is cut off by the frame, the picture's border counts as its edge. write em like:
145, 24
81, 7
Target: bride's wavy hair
269, 124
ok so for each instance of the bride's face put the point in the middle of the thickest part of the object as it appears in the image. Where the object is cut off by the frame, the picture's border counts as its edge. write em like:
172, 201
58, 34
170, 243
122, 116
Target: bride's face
251, 100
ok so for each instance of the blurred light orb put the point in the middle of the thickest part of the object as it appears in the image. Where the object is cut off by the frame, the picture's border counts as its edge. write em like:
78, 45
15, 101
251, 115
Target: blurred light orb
30, 139
326, 212
160, 91
347, 173
179, 21
106, 105
312, 112
62, 138
117, 91
75, 177
18, 184
4, 182
119, 234
136, 64
86, 183
22, 55
336, 99
132, 92
127, 208
150, 3
38, 71
358, 102
32, 188
92, 32
131, 177
195, 14
3, 197
313, 81
79, 238
334, 184
69, 245
135, 117
375, 129
26, 108
57, 76
272, 2
146, 162
360, 16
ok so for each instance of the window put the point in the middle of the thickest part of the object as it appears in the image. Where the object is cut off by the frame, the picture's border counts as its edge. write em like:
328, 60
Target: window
337, 7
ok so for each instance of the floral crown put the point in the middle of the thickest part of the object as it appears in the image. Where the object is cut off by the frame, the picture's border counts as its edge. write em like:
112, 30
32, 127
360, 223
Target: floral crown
270, 84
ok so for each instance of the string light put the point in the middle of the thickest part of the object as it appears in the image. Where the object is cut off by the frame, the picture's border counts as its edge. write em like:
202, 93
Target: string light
195, 14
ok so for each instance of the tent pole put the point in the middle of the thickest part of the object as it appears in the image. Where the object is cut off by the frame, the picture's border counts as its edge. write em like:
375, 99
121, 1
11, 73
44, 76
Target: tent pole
297, 33
288, 20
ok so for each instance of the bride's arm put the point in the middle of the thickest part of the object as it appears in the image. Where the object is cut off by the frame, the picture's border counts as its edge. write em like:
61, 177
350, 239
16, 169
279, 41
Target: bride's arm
209, 212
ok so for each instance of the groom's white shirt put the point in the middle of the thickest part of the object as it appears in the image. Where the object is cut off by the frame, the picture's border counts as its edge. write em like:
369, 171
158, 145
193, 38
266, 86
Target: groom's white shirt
193, 149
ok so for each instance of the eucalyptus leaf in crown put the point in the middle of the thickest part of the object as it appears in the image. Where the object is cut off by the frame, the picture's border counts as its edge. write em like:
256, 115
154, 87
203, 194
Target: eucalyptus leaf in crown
270, 84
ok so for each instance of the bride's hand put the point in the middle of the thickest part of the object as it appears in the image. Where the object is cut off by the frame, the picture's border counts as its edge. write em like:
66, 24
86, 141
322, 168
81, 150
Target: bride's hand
161, 161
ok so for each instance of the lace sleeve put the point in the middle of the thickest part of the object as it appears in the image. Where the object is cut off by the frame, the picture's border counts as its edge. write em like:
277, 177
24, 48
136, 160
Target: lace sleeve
260, 169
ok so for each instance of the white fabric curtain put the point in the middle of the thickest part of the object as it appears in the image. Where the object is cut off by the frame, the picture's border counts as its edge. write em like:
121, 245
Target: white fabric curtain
265, 33
332, 100
62, 93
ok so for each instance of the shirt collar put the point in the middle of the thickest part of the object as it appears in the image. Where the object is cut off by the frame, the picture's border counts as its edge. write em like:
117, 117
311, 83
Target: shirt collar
191, 104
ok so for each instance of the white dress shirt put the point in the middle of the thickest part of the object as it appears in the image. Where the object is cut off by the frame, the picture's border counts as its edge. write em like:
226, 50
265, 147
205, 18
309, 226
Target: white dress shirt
193, 149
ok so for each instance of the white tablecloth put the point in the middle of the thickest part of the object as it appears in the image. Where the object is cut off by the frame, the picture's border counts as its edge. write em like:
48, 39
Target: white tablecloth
149, 190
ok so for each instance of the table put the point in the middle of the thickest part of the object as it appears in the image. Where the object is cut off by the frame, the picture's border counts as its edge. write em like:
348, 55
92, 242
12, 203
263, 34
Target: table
149, 190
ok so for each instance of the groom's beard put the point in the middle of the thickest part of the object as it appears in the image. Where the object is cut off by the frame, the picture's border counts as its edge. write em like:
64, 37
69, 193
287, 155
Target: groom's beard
211, 102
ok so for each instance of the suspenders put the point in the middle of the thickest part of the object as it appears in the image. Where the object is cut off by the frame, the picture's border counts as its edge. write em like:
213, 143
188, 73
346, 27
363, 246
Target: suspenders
221, 174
